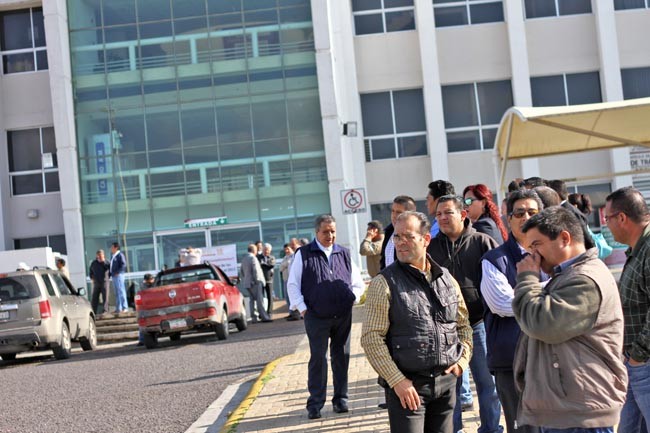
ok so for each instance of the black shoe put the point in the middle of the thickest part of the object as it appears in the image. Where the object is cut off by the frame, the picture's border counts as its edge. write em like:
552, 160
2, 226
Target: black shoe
292, 318
382, 406
313, 413
340, 407
267, 320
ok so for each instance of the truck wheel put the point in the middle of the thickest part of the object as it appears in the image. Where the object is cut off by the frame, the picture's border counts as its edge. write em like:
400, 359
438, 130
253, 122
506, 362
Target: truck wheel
89, 342
64, 349
221, 329
8, 356
175, 336
150, 340
242, 321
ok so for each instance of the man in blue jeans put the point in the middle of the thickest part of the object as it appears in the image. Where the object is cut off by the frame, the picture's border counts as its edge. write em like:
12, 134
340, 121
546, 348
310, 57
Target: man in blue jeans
459, 248
117, 270
628, 217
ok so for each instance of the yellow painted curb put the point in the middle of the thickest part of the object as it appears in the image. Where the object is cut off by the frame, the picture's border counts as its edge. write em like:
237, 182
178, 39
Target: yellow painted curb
238, 414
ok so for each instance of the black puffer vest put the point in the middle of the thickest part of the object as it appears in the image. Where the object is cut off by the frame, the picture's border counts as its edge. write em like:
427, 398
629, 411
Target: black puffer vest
422, 338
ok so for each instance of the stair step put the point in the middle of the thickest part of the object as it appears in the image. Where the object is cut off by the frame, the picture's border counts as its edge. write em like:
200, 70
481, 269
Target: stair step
114, 322
118, 336
126, 327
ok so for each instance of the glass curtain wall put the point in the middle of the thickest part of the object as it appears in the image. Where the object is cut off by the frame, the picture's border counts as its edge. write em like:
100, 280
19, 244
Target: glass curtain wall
191, 109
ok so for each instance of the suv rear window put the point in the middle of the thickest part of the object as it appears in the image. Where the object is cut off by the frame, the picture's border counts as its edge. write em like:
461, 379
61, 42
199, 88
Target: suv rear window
18, 287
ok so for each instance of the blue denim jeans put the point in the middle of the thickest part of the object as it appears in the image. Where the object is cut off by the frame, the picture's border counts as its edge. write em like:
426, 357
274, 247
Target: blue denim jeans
636, 411
577, 430
466, 396
120, 293
488, 401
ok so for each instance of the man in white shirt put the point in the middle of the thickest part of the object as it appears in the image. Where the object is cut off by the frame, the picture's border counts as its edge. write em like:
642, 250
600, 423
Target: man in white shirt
323, 285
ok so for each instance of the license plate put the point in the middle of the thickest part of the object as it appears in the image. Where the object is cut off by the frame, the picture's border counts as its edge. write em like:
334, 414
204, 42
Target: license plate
4, 315
177, 323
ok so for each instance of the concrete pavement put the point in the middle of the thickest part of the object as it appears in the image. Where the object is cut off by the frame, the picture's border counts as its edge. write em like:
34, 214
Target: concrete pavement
276, 401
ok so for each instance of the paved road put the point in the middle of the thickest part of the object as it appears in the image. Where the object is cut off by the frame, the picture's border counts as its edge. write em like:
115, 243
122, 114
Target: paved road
128, 389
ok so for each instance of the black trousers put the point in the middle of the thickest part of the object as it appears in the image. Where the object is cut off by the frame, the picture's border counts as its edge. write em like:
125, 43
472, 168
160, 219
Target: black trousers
509, 397
320, 331
436, 412
97, 289
268, 289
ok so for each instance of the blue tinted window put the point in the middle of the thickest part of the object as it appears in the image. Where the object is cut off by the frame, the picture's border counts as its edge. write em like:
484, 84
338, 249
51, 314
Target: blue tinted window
367, 24
636, 82
547, 91
376, 113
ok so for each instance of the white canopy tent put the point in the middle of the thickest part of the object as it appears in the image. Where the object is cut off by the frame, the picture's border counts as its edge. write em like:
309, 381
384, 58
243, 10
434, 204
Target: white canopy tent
530, 132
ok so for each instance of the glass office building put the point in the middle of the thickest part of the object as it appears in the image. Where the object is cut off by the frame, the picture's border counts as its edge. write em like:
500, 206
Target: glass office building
195, 109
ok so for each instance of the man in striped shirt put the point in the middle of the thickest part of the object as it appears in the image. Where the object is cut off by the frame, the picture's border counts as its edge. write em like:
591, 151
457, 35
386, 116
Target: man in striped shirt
628, 218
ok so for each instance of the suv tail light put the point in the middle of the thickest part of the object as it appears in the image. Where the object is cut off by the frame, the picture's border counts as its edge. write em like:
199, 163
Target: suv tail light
46, 310
208, 290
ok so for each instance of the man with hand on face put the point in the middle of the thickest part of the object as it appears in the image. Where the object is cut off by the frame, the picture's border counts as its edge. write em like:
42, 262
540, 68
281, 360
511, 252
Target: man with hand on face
371, 246
323, 285
568, 365
416, 333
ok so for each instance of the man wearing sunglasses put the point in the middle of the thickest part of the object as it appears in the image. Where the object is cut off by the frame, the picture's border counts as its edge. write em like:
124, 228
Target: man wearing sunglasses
568, 364
497, 287
628, 217
459, 248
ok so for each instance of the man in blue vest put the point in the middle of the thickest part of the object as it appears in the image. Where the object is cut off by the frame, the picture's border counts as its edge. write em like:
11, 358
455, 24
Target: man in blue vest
497, 287
323, 285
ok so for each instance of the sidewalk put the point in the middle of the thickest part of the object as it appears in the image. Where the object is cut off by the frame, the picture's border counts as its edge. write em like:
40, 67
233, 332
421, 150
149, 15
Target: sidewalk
276, 402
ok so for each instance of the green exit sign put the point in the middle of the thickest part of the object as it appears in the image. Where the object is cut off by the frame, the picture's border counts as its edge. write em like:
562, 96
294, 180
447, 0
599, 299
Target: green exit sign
206, 222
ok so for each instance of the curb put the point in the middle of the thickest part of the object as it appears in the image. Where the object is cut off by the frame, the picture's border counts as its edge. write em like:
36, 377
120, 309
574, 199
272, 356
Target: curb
238, 414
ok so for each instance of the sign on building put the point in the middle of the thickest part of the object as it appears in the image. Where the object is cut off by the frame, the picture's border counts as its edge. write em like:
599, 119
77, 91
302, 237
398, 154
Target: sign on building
205, 222
353, 201
224, 256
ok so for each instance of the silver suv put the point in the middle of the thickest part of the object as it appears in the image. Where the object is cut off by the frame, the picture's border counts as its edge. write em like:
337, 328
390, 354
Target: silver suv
39, 309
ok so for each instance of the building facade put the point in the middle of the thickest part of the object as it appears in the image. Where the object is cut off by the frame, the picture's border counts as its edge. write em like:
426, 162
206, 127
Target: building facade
139, 121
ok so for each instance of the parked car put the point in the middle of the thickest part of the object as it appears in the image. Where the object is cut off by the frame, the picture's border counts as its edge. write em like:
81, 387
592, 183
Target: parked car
40, 309
189, 298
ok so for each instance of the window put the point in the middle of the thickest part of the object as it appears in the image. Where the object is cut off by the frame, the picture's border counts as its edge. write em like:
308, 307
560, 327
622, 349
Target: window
631, 4
381, 16
56, 242
32, 161
472, 113
636, 82
394, 124
459, 13
566, 89
554, 8
22, 41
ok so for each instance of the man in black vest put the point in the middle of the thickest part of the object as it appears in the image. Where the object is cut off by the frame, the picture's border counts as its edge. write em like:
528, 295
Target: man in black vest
416, 333
497, 287
323, 285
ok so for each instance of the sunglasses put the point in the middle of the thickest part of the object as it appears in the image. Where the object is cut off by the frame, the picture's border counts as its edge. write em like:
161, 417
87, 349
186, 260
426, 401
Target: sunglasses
469, 200
519, 213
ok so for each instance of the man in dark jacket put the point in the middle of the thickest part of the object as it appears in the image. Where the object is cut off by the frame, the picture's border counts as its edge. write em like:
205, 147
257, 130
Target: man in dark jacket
323, 285
401, 203
267, 261
416, 334
98, 273
497, 288
459, 248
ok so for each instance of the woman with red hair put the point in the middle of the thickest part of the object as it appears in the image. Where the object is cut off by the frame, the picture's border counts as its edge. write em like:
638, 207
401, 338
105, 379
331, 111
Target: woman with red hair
483, 213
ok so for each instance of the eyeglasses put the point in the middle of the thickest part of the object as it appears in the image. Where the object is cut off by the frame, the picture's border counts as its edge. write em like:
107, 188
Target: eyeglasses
519, 213
469, 200
609, 217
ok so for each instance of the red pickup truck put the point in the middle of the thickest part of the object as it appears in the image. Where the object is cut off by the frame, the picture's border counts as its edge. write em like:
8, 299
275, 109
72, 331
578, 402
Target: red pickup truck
187, 298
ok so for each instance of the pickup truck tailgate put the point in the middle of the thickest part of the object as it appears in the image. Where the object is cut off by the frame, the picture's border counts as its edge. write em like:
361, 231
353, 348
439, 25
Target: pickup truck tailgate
176, 294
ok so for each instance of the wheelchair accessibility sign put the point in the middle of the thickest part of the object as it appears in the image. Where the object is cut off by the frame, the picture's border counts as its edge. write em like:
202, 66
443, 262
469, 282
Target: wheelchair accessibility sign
353, 201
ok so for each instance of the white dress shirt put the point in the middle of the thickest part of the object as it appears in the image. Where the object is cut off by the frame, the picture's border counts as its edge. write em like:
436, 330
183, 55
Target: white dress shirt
297, 301
389, 255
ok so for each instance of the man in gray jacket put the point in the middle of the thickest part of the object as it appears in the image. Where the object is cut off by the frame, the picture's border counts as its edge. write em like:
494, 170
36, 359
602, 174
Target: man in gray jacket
568, 365
253, 281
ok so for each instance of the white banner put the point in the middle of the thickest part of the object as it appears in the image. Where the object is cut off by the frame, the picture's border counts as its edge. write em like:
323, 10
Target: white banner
224, 256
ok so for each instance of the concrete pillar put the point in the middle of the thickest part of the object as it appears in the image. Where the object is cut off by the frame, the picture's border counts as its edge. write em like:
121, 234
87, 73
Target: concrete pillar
521, 93
432, 93
58, 57
610, 80
339, 103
